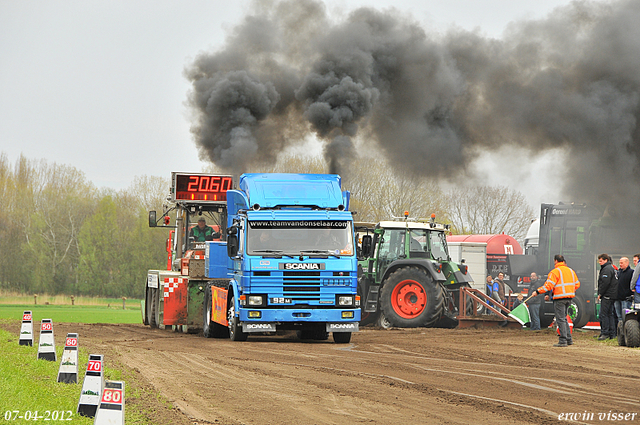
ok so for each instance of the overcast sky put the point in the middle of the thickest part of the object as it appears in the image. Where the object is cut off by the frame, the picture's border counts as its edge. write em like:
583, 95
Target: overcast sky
99, 85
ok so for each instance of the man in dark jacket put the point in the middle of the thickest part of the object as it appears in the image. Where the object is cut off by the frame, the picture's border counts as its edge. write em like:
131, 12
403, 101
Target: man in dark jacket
607, 294
535, 302
623, 300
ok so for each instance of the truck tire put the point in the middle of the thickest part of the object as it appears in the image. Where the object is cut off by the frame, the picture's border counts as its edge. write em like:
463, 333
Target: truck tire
342, 337
235, 329
410, 298
632, 333
621, 339
211, 329
578, 312
153, 318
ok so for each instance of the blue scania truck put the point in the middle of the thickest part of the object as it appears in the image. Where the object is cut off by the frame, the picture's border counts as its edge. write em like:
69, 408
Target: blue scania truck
281, 256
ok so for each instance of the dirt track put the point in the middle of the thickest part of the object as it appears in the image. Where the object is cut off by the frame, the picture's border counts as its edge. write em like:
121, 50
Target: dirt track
423, 376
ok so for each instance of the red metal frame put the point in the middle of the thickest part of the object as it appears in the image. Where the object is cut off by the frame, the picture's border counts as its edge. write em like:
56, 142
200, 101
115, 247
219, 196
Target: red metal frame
500, 318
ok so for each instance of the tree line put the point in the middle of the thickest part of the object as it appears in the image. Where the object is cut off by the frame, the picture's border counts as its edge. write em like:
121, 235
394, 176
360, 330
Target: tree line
59, 234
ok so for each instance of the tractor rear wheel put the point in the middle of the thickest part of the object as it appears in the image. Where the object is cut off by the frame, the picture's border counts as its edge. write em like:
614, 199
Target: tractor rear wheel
410, 298
632, 333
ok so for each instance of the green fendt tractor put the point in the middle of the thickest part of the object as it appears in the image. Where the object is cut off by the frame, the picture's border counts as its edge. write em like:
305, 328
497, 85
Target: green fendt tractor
405, 275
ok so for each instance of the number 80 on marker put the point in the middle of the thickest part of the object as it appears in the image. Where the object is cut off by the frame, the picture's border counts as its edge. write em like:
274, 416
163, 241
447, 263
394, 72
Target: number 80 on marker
112, 396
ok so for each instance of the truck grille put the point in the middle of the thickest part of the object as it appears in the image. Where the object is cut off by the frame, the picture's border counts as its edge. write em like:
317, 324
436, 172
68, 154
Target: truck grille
301, 285
298, 285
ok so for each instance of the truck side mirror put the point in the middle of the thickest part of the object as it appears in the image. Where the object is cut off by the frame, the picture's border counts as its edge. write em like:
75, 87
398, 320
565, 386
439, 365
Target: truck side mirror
232, 246
366, 246
152, 219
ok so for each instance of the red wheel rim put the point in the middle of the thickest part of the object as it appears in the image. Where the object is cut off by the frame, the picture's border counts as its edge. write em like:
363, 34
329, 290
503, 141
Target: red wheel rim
408, 299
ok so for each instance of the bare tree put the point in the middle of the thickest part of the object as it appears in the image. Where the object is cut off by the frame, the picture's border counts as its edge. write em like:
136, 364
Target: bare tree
489, 210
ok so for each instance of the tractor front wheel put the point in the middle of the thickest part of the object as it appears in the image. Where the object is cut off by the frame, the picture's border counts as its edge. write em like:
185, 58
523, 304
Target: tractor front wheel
410, 298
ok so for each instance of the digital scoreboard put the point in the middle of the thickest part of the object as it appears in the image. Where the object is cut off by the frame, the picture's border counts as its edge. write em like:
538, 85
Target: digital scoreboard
200, 187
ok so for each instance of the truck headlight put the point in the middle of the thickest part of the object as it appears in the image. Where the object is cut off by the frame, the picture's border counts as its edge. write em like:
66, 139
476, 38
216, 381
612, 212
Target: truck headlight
345, 300
255, 299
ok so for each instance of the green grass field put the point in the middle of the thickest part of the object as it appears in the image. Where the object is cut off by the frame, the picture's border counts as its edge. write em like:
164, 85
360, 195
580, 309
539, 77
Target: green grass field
74, 314
29, 385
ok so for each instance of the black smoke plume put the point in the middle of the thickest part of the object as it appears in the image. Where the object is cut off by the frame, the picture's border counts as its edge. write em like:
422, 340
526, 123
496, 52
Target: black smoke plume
568, 83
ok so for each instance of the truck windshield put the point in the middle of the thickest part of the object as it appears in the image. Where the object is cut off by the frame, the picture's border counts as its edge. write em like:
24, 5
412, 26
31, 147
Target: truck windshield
315, 237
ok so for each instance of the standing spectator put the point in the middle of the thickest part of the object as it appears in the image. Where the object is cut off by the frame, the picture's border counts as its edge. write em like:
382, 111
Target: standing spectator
534, 303
489, 288
635, 285
607, 294
499, 284
623, 301
564, 282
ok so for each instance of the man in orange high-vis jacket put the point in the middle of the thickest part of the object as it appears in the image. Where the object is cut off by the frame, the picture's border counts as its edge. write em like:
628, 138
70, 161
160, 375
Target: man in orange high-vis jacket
564, 282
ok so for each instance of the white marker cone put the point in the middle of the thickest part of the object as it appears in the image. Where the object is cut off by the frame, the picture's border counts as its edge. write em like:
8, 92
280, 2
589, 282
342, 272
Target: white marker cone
26, 331
111, 407
68, 372
91, 387
46, 346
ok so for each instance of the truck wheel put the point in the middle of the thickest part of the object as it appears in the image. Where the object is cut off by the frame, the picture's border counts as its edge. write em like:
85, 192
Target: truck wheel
578, 312
211, 329
632, 333
621, 339
410, 298
235, 329
341, 337
153, 319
